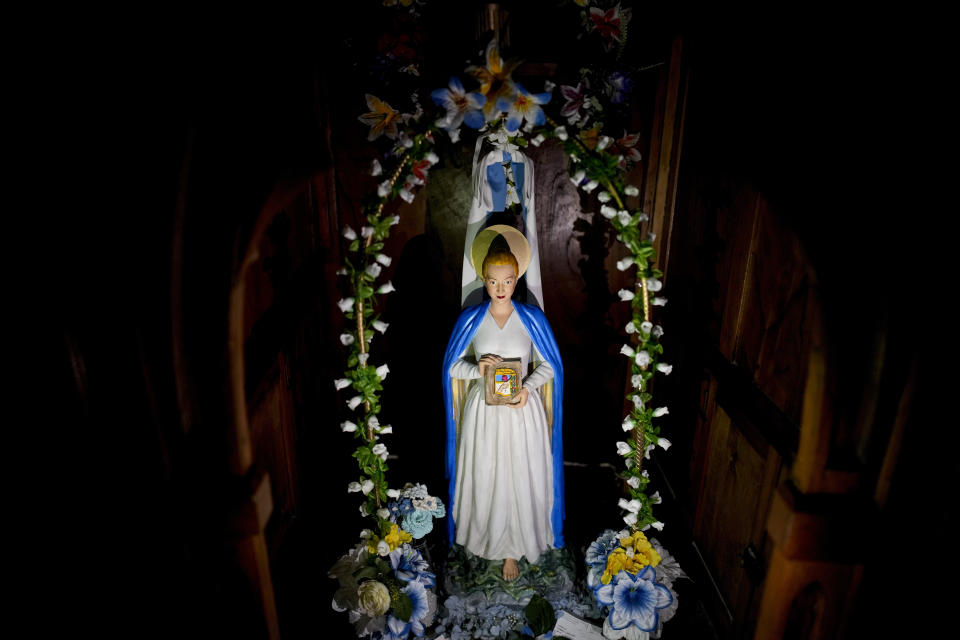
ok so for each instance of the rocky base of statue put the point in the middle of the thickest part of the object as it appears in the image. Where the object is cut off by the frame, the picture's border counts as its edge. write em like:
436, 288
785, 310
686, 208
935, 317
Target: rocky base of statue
479, 599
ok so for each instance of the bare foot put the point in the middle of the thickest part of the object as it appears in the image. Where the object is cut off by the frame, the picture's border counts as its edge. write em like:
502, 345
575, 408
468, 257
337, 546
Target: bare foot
510, 569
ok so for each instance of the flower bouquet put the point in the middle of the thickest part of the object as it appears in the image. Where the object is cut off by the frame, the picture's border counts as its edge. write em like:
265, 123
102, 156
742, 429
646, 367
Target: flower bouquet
414, 509
632, 580
386, 586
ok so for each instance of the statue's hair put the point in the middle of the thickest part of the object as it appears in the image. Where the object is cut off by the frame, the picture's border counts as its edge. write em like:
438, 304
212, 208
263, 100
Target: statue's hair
498, 257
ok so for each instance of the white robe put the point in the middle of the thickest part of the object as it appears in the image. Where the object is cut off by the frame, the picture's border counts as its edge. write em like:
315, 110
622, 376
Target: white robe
504, 481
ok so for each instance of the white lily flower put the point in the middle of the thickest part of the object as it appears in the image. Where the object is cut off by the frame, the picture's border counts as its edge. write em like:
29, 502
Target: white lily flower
654, 285
655, 498
578, 177
367, 486
393, 493
362, 357
637, 401
432, 158
633, 506
630, 519
631, 190
380, 449
345, 304
342, 271
590, 186
407, 196
383, 513
561, 132
627, 424
663, 442
405, 140
341, 383
663, 368
384, 259
647, 449
623, 448
346, 339
380, 326
630, 328
643, 358
603, 142
366, 533
348, 427
373, 421
366, 232
624, 263
363, 510
349, 233
637, 381
386, 288
659, 302
394, 220
651, 236
645, 474
385, 430
608, 212
383, 548
629, 462
646, 327
353, 487
382, 371
539, 140
354, 402
657, 331
604, 196
657, 525
634, 482
660, 411
375, 168
643, 217
383, 188
627, 350
624, 217
625, 295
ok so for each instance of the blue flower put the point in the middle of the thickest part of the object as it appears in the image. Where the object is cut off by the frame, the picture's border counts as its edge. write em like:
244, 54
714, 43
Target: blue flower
418, 523
634, 600
620, 86
397, 629
406, 506
462, 107
408, 565
440, 511
524, 106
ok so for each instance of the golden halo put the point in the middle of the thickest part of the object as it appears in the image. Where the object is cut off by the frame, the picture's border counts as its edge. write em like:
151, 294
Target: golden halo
517, 242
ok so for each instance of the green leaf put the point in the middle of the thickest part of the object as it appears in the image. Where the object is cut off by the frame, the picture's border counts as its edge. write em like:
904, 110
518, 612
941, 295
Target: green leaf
365, 573
355, 245
540, 615
402, 607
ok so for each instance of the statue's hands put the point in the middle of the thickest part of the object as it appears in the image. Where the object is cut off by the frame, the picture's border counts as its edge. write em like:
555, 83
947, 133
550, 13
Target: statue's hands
490, 359
521, 400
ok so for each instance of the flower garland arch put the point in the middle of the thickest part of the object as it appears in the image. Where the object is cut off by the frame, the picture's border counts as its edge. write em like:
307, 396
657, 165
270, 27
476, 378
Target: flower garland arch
619, 563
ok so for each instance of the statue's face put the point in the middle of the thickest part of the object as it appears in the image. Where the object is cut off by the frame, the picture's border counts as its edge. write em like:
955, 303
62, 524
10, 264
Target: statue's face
500, 281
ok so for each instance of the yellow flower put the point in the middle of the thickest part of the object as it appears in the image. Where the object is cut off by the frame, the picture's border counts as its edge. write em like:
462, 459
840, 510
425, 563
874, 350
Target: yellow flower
591, 136
382, 118
495, 81
396, 537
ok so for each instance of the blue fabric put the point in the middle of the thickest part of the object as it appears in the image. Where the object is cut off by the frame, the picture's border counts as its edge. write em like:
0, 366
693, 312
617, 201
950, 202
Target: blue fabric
535, 322
497, 180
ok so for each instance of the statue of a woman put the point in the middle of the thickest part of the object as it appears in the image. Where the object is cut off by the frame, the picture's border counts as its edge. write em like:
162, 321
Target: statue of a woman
504, 462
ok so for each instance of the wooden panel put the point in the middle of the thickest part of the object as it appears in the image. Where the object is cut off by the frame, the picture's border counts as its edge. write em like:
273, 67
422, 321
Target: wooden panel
273, 431
738, 481
774, 333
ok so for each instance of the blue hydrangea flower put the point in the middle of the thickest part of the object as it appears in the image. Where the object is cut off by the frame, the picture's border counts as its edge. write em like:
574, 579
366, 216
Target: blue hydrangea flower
440, 511
408, 565
418, 523
406, 506
634, 600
